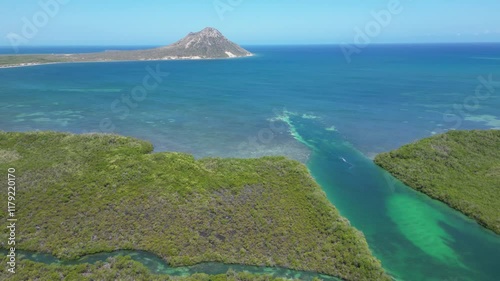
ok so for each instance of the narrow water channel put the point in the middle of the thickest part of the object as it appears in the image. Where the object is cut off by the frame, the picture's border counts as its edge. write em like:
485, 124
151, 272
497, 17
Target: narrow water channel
415, 237
158, 266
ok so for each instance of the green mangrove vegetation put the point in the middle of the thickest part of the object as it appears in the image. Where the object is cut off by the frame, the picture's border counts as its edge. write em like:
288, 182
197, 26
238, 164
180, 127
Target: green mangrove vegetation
459, 168
83, 194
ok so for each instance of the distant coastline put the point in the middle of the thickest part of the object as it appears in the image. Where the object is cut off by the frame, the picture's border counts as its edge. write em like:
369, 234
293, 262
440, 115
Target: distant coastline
208, 43
22, 65
28, 64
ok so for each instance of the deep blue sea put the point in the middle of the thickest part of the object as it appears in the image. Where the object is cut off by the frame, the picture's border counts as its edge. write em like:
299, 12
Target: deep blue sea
305, 102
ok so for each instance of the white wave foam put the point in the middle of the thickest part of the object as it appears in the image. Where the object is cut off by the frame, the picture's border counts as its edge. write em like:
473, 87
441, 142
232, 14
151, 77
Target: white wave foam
489, 120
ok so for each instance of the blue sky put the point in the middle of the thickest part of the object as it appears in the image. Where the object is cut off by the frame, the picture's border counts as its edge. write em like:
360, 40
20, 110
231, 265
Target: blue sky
160, 22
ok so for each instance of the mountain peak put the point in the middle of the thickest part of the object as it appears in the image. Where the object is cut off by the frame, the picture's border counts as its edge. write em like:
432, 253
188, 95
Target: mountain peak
207, 43
210, 32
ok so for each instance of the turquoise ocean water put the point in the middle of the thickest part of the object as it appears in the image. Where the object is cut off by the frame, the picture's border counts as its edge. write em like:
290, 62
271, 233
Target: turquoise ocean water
305, 102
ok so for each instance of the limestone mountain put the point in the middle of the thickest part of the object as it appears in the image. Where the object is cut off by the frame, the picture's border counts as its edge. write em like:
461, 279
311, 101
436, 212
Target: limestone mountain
208, 43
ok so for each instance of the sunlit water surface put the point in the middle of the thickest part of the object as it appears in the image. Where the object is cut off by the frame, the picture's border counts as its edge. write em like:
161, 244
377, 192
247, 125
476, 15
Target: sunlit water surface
309, 104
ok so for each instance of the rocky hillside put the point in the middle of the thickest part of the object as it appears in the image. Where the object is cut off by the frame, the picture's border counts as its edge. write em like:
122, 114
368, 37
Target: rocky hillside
208, 43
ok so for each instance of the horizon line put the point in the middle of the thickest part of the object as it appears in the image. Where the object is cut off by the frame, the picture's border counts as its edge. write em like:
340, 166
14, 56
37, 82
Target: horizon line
278, 44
